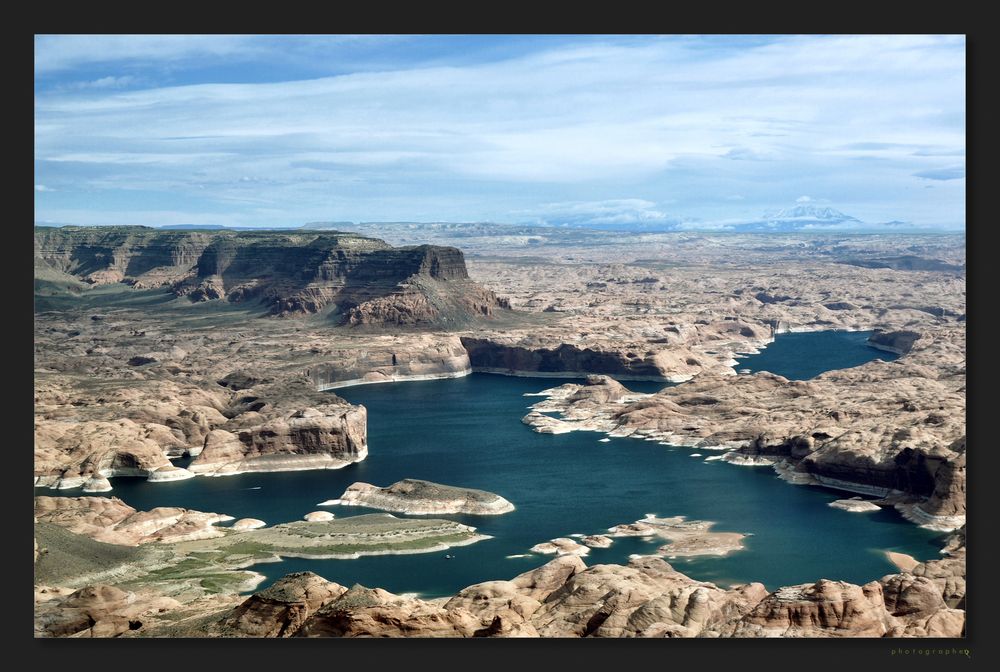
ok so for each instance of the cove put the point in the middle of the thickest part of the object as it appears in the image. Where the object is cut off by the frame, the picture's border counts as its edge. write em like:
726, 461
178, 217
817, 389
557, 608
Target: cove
804, 355
467, 432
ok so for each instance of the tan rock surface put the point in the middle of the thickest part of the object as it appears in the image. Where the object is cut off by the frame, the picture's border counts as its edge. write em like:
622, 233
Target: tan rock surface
563, 598
96, 611
824, 609
328, 437
620, 305
867, 429
281, 609
248, 524
561, 546
414, 496
112, 521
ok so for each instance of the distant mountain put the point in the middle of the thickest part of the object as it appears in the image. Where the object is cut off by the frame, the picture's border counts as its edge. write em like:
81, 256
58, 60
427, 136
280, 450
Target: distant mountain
804, 217
811, 213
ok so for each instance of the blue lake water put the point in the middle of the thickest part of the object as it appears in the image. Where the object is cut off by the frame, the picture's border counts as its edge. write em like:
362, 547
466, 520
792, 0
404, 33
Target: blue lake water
468, 432
805, 355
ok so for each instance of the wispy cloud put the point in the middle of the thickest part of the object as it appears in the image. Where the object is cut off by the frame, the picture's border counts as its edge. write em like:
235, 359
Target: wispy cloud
633, 121
109, 82
950, 173
61, 52
614, 212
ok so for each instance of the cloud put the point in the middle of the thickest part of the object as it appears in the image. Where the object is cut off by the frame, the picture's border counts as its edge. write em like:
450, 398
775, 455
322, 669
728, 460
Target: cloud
803, 199
108, 82
873, 146
613, 212
61, 52
746, 154
947, 151
943, 174
42, 187
585, 120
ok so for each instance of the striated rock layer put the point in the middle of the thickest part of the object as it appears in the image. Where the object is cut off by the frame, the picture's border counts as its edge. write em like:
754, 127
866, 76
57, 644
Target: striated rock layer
386, 360
135, 431
362, 280
676, 356
328, 437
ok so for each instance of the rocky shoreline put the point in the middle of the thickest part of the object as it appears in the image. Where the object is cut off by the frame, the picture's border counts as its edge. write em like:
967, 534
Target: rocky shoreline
400, 378
185, 546
562, 598
182, 361
839, 430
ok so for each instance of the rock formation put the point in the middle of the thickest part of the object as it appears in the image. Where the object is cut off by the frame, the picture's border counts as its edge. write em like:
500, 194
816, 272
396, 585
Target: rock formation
112, 521
561, 546
135, 430
363, 281
855, 505
387, 360
899, 342
413, 496
95, 611
686, 537
563, 598
327, 437
248, 524
126, 380
539, 354
318, 516
884, 428
646, 598
281, 609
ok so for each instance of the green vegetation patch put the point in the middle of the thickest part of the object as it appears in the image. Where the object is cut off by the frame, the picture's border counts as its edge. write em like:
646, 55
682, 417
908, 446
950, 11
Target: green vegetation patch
65, 557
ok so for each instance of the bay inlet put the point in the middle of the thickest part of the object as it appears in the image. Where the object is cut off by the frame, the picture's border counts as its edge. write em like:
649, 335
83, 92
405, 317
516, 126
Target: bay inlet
467, 432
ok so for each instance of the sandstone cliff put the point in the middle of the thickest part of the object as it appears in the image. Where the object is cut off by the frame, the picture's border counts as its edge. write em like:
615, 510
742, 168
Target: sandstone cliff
326, 437
359, 280
135, 430
678, 352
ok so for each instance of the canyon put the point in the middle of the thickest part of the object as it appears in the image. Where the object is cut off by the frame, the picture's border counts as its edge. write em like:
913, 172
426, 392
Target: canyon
153, 346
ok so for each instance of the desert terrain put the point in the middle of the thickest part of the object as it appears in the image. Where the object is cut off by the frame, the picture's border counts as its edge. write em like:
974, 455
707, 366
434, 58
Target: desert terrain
228, 348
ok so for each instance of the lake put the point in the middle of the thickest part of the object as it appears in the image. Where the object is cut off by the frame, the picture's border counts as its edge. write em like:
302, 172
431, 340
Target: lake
467, 432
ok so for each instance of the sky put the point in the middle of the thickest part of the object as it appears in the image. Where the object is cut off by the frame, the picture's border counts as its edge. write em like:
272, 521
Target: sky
705, 131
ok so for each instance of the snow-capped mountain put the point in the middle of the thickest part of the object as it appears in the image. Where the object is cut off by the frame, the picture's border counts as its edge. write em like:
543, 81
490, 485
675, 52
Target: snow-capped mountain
810, 213
804, 216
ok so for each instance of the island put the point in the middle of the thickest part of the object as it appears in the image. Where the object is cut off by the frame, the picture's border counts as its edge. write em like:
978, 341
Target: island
417, 497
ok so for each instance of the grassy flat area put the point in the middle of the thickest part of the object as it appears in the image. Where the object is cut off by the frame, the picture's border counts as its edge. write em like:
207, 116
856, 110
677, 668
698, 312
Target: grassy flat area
367, 534
65, 556
216, 565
